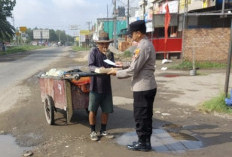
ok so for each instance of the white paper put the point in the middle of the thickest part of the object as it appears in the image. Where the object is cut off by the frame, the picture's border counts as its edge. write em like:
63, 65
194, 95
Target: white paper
109, 62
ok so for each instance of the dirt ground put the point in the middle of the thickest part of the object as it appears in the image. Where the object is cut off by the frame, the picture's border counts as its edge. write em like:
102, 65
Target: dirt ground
175, 110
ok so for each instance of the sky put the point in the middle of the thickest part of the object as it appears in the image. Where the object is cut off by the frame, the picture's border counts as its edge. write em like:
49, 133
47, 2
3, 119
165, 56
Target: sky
61, 14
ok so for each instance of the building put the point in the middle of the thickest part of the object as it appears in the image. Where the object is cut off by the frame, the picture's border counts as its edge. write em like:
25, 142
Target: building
199, 27
207, 30
107, 25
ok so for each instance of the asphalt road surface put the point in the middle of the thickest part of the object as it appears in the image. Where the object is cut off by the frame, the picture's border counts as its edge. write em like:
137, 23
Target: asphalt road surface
15, 69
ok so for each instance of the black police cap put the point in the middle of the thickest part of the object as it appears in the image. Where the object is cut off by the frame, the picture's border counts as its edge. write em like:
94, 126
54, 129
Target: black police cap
137, 26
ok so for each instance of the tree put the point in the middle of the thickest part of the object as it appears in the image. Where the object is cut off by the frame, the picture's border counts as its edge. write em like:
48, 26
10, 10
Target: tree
53, 36
29, 33
7, 31
61, 35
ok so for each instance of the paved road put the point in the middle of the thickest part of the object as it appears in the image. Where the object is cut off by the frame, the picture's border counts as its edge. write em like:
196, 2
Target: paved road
12, 73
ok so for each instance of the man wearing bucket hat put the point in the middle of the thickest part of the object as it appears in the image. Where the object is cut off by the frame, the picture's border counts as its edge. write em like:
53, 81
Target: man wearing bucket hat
144, 86
100, 86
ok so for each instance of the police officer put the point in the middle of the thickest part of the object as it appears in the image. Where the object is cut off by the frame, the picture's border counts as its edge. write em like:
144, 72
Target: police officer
141, 69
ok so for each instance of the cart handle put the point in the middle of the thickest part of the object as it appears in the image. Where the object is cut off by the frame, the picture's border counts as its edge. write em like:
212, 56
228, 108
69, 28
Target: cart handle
78, 75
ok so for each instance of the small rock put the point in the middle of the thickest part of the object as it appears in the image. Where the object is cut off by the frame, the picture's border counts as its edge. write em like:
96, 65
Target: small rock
157, 112
164, 68
165, 114
28, 153
166, 61
188, 113
66, 146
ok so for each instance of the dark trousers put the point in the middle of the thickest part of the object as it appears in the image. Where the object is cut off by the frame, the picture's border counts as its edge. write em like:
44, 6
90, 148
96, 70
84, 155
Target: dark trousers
143, 112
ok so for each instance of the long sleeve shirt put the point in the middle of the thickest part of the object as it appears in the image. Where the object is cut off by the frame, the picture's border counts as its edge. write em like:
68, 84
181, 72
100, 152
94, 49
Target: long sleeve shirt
142, 67
99, 84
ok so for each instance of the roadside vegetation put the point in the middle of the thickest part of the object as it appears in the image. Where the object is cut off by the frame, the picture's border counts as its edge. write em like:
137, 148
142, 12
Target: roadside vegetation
127, 54
77, 48
187, 65
7, 30
216, 104
23, 48
124, 56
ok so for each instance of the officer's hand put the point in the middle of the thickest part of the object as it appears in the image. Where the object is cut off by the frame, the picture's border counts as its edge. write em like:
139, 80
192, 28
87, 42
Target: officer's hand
119, 64
112, 72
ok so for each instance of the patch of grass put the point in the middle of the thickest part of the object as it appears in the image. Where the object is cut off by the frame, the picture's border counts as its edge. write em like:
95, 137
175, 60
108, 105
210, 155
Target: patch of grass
216, 104
127, 54
183, 66
77, 48
186, 65
207, 65
23, 48
201, 73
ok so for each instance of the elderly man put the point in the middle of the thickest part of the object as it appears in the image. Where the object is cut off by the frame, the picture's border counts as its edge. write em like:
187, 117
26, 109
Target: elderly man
100, 86
144, 85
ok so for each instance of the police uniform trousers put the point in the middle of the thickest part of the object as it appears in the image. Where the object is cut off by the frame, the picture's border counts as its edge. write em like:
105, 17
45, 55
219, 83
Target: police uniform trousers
143, 112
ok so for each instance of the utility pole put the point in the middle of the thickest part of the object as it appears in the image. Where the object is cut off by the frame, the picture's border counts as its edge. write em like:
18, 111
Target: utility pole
183, 26
108, 25
228, 63
115, 24
88, 23
13, 21
128, 13
80, 38
41, 36
144, 4
59, 38
223, 6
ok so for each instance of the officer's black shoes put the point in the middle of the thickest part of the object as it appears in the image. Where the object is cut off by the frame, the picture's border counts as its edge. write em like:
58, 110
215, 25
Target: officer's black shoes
140, 146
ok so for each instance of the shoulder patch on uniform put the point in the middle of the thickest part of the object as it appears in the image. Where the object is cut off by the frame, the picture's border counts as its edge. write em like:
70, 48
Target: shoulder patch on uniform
137, 51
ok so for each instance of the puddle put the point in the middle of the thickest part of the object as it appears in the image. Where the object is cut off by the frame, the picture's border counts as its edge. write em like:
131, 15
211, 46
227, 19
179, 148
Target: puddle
163, 141
172, 127
9, 148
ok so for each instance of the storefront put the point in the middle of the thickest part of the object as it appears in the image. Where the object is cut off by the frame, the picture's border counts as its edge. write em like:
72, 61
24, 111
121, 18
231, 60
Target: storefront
173, 46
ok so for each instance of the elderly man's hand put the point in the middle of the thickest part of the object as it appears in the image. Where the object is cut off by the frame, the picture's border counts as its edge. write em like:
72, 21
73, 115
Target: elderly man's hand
112, 72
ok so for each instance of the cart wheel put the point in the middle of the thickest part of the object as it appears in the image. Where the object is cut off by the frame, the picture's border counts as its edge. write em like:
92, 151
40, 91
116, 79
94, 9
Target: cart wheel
49, 110
67, 121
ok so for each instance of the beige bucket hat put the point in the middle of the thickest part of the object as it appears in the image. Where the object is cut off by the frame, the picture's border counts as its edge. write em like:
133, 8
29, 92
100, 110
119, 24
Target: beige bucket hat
103, 38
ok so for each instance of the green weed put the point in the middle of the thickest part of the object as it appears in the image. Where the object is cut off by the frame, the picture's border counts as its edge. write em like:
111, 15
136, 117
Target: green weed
187, 65
127, 54
23, 48
216, 104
